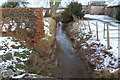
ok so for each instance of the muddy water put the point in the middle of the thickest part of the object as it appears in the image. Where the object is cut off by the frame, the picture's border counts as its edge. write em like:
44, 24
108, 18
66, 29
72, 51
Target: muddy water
70, 65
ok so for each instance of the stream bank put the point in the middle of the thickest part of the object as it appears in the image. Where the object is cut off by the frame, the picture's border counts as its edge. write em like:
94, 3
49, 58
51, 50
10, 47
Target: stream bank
70, 65
92, 51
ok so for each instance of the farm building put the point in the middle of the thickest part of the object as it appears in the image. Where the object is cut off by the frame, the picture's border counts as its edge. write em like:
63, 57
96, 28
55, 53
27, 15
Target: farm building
97, 7
113, 8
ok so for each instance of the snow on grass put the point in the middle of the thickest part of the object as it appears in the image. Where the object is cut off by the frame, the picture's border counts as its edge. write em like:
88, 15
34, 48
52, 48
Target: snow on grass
102, 40
46, 27
28, 75
47, 30
6, 44
113, 42
114, 33
12, 53
19, 76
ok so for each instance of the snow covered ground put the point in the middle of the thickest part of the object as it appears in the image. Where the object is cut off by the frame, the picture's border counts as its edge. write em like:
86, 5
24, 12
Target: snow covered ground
110, 63
114, 34
13, 53
100, 17
113, 41
114, 29
103, 18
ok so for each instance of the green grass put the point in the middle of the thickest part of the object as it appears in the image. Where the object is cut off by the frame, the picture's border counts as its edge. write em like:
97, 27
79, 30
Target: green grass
20, 66
26, 52
20, 55
7, 56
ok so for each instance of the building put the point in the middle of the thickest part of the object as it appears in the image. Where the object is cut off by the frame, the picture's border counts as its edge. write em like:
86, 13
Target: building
113, 7
97, 7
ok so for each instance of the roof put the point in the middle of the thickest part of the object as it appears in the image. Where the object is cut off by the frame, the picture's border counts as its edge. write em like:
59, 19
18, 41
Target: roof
113, 3
97, 3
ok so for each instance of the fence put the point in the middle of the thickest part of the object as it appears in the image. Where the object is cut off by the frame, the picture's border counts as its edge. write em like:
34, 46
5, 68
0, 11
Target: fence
106, 24
106, 31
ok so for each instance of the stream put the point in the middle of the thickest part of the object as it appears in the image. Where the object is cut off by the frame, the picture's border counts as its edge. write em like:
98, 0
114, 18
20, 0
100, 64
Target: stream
70, 65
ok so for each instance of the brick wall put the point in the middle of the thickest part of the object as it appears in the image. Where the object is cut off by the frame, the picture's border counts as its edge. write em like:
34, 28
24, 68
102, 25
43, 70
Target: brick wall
29, 19
25, 24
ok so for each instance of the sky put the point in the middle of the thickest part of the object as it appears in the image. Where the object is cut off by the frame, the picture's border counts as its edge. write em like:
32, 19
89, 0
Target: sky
44, 3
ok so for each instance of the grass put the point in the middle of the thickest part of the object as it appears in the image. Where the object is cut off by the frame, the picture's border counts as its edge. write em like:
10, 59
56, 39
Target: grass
20, 66
7, 56
20, 55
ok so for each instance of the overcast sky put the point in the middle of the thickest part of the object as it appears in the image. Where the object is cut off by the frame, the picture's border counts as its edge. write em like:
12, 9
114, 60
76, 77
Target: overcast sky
44, 3
39, 3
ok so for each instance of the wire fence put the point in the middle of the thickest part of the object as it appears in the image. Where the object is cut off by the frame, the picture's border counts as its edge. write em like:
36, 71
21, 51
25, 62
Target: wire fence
111, 33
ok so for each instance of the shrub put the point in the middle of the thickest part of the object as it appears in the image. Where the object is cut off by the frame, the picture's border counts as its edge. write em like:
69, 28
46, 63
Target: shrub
118, 15
73, 10
14, 4
66, 16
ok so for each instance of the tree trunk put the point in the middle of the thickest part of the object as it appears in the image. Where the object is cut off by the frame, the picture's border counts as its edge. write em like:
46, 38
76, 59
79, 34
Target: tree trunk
54, 7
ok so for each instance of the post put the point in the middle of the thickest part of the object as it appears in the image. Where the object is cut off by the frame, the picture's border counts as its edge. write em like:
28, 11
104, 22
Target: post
80, 24
108, 37
104, 32
97, 30
84, 25
0, 22
89, 26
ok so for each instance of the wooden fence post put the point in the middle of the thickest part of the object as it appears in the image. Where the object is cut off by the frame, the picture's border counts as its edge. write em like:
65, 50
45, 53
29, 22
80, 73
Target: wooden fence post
97, 30
104, 32
108, 37
80, 24
89, 26
0, 22
83, 24
0, 29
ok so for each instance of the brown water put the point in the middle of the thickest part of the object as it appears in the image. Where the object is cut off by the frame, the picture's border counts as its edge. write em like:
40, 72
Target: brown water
70, 65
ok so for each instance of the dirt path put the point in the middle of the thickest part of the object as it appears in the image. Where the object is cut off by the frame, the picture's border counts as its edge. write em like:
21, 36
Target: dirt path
71, 66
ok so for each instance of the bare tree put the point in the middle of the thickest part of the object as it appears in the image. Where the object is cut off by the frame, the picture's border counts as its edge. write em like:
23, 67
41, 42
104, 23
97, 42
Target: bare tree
54, 4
